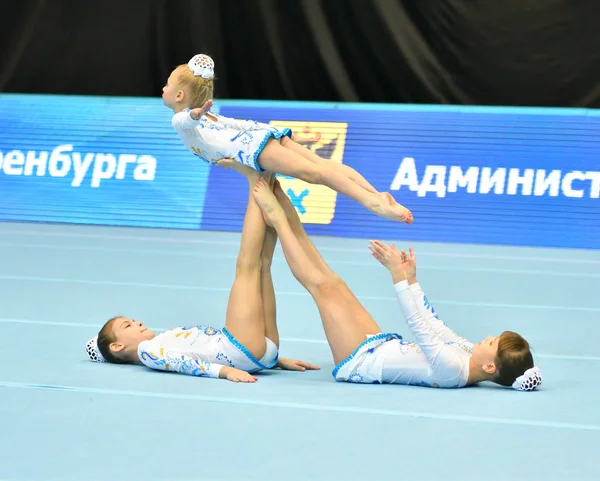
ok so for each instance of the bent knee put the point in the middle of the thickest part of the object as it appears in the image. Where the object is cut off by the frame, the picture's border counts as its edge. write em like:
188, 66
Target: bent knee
247, 264
329, 283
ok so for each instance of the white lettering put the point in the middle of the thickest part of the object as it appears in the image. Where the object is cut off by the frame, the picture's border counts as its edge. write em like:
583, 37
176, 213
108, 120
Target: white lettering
595, 178
487, 181
104, 168
458, 179
60, 164
406, 175
38, 161
429, 185
81, 167
62, 161
13, 162
146, 168
543, 182
125, 159
526, 180
568, 180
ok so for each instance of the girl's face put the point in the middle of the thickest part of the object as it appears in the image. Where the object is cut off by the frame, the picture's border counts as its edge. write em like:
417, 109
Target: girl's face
128, 335
484, 353
172, 92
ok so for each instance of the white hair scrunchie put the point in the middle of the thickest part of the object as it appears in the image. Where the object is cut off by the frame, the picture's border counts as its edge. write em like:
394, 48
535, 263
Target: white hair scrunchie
202, 66
528, 381
93, 351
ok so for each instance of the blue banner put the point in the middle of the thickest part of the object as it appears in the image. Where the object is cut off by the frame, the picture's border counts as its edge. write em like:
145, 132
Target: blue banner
469, 175
515, 176
111, 161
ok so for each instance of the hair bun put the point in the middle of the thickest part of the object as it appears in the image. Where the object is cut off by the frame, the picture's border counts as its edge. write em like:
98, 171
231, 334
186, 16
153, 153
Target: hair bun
93, 351
202, 66
528, 381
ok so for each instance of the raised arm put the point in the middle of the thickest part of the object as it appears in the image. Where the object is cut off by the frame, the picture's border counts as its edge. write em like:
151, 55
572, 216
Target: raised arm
426, 337
404, 266
430, 315
188, 119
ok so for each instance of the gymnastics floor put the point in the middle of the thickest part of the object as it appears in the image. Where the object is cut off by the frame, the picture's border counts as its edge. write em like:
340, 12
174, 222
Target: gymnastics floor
64, 418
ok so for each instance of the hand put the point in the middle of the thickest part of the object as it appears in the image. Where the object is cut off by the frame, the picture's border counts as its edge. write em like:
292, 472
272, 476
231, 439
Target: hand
398, 263
292, 365
389, 257
410, 265
199, 112
237, 375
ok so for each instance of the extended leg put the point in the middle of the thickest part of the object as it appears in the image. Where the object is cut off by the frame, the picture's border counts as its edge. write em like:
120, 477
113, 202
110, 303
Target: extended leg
369, 326
276, 158
245, 313
339, 312
343, 169
267, 290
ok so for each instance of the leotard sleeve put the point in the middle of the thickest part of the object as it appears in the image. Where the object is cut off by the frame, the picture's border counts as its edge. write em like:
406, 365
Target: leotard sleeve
238, 124
182, 121
156, 356
428, 334
430, 316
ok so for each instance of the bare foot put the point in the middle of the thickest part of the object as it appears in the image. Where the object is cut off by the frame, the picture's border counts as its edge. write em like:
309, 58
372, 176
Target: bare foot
270, 179
268, 222
406, 214
280, 195
228, 163
278, 191
390, 209
266, 200
273, 182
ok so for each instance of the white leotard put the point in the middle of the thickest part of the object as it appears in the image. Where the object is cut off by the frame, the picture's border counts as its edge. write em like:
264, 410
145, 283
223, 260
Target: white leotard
201, 351
437, 358
242, 140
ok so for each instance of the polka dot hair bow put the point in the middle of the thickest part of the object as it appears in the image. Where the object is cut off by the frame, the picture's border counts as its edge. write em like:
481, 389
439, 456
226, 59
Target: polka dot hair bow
202, 66
528, 381
93, 351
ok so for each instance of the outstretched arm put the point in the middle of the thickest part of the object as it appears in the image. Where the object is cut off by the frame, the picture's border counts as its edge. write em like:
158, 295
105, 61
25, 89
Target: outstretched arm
239, 124
236, 124
187, 120
430, 315
404, 266
426, 335
157, 357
